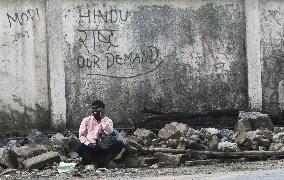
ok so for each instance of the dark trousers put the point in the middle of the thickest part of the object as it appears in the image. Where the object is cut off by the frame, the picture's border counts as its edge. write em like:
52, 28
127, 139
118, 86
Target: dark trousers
98, 155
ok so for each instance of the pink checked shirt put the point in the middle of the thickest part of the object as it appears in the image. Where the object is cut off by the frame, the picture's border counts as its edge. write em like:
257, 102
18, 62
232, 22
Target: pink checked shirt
90, 129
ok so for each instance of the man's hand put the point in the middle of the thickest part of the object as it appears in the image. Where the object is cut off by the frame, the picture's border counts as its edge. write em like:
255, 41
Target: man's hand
93, 146
102, 113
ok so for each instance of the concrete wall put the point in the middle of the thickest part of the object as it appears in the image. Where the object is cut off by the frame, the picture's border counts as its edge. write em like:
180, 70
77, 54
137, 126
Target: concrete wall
23, 65
272, 49
57, 56
179, 56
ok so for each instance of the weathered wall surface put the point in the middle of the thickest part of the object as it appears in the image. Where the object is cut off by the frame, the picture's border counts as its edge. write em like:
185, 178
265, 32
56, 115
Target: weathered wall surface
272, 48
176, 55
23, 65
57, 56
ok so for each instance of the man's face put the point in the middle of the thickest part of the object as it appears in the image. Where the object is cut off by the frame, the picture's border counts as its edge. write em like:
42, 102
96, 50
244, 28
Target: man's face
97, 111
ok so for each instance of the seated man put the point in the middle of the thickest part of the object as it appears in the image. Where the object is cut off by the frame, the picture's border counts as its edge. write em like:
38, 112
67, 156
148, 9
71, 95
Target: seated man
90, 129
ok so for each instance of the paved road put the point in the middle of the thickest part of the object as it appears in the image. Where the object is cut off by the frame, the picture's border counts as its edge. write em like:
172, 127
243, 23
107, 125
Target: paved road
276, 174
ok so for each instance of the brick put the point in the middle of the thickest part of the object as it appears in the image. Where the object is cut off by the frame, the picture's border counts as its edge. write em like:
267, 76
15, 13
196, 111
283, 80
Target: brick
40, 161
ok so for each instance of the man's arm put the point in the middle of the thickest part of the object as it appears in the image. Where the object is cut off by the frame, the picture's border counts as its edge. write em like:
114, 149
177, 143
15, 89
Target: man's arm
107, 125
83, 133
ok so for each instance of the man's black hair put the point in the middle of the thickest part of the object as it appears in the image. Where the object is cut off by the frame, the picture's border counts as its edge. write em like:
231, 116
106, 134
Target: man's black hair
99, 103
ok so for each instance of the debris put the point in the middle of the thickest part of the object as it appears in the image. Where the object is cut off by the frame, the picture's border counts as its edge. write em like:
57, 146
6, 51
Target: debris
40, 161
29, 151
258, 138
145, 134
226, 135
253, 120
7, 171
276, 147
73, 155
13, 144
66, 167
212, 161
171, 159
278, 138
37, 137
89, 168
227, 146
154, 166
173, 130
8, 158
193, 138
102, 170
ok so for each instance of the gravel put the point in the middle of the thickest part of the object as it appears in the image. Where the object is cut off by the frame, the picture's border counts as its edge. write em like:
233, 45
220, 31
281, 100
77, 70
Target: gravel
137, 173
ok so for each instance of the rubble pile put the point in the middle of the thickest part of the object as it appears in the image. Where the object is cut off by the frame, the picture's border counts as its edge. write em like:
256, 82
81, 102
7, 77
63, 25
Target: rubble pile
175, 144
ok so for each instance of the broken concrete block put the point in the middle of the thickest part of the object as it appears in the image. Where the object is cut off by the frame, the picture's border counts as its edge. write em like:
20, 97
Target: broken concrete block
263, 137
208, 132
278, 138
155, 142
172, 159
8, 158
59, 143
228, 146
40, 161
278, 130
276, 146
58, 140
29, 151
173, 130
130, 142
173, 143
226, 135
213, 143
145, 134
254, 120
244, 125
134, 139
13, 144
254, 139
37, 137
240, 137
193, 138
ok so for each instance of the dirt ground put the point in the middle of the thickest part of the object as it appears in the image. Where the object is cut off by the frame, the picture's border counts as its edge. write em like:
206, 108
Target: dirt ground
154, 173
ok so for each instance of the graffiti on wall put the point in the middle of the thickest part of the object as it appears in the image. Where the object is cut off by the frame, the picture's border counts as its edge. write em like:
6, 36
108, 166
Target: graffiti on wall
99, 47
22, 17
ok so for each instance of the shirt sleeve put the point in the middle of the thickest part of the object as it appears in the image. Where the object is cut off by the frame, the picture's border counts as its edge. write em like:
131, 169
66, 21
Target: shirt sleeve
83, 133
107, 125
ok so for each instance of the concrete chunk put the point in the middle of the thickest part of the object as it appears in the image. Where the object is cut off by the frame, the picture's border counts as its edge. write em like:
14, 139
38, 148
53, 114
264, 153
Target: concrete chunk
40, 161
172, 159
29, 151
144, 134
173, 130
254, 120
8, 158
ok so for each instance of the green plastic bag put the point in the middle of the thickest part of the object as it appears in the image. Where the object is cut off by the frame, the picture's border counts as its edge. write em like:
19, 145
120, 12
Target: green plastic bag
66, 167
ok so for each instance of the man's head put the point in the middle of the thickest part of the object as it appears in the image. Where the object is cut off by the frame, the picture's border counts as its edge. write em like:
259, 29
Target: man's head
98, 108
